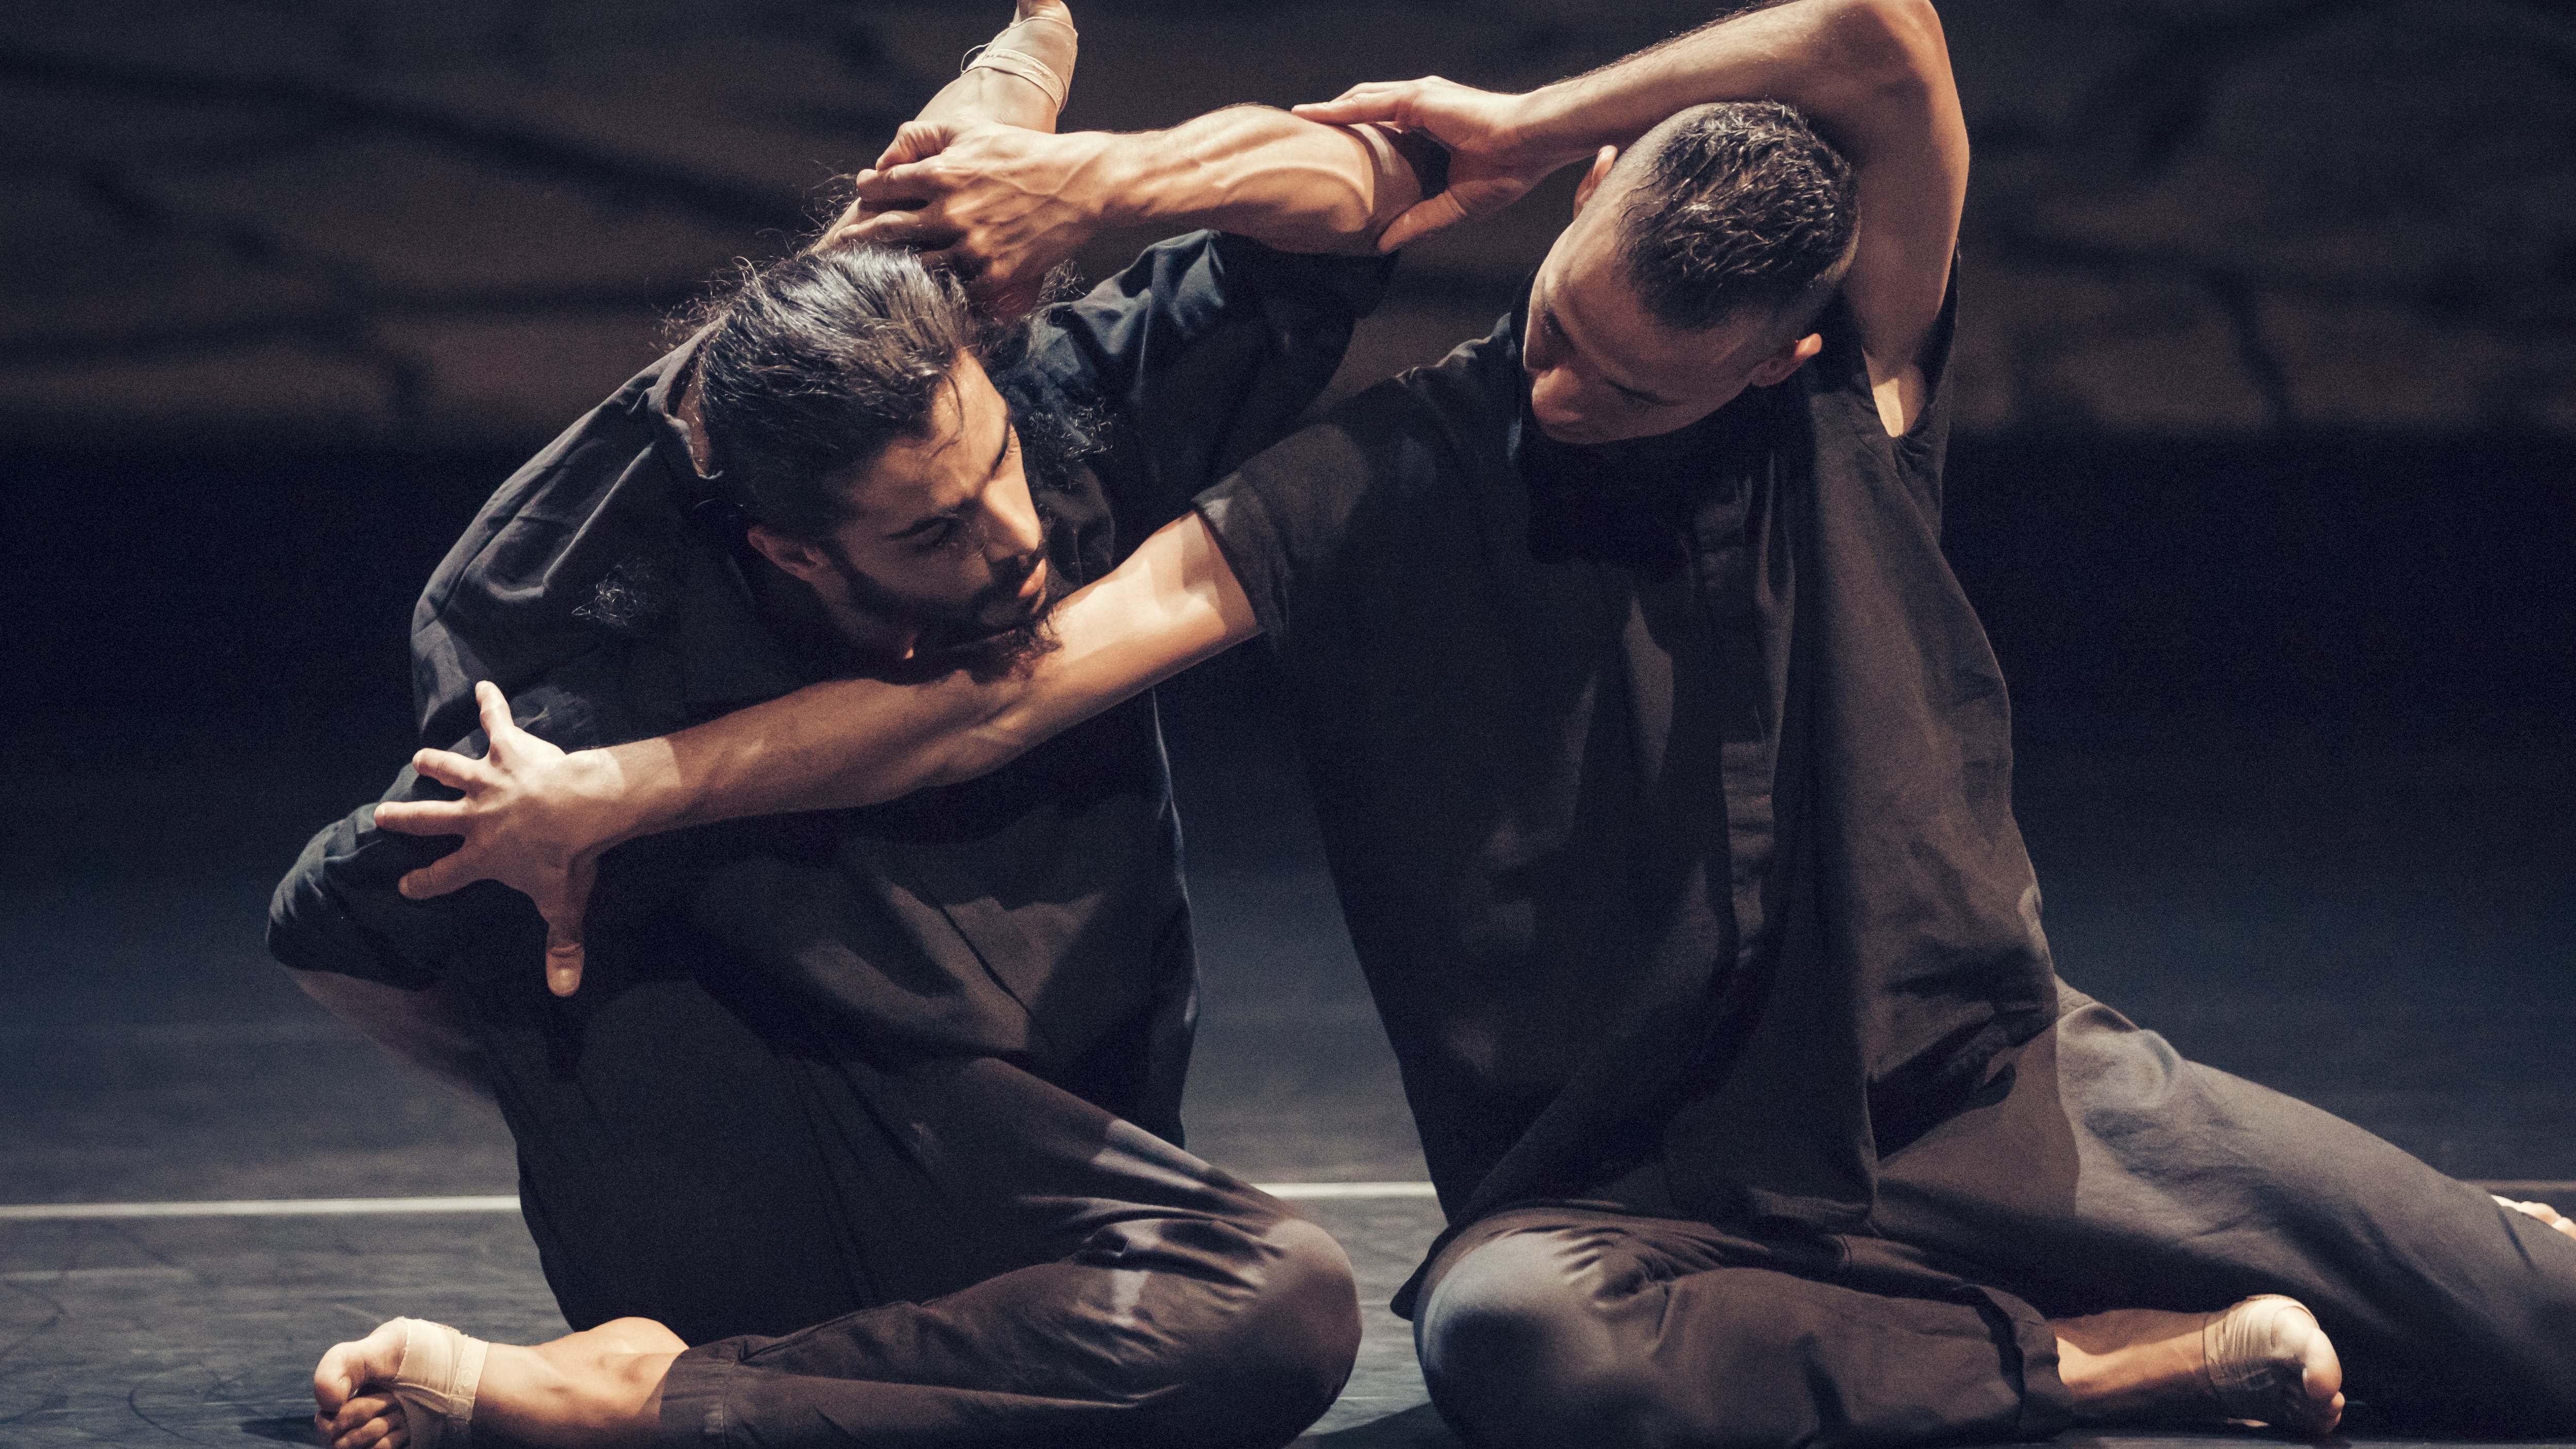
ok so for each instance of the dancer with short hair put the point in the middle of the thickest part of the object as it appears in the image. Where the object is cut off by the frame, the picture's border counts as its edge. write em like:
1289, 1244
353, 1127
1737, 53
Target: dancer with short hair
1665, 774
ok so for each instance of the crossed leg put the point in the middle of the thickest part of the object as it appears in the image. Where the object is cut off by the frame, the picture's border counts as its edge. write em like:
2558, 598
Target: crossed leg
2063, 1249
1055, 1276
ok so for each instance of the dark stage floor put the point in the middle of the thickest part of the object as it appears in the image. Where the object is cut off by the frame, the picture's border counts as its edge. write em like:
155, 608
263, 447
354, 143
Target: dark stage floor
2381, 927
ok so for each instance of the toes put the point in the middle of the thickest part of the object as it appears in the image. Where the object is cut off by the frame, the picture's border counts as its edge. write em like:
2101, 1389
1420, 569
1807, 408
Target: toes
375, 1422
348, 1368
2270, 1361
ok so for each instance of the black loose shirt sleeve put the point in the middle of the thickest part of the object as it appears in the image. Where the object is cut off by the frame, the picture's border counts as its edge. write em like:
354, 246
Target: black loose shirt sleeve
1205, 350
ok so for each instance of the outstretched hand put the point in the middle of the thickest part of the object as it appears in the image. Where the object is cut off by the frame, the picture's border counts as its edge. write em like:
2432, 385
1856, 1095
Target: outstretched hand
1489, 168
998, 205
534, 818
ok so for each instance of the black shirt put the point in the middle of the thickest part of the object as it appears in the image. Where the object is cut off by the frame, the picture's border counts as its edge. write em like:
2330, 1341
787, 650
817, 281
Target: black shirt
1666, 786
1036, 914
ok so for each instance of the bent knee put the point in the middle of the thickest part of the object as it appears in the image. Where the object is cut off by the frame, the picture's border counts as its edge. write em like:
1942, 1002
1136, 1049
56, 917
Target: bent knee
1288, 1348
1518, 1349
1273, 1344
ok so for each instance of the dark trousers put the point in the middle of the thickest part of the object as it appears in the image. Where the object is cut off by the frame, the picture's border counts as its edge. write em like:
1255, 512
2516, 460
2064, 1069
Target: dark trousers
905, 1252
2099, 1171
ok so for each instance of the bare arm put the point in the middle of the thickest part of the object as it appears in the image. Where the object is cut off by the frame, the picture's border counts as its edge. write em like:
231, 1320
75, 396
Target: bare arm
980, 96
1173, 603
536, 818
1873, 76
1004, 205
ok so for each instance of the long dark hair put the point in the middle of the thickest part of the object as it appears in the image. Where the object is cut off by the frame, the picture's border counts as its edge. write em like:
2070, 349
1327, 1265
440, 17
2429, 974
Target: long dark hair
810, 368
813, 365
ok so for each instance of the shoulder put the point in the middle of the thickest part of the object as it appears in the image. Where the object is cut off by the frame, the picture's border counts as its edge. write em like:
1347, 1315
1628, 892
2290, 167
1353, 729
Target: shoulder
1446, 418
1845, 415
507, 602
1190, 283
1388, 470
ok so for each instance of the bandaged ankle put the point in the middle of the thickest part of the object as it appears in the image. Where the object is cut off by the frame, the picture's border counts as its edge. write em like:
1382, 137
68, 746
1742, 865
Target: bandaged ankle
2258, 1356
435, 1384
1018, 50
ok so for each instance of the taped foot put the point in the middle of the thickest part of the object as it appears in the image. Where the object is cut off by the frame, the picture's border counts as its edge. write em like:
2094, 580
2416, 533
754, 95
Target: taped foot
2268, 1361
435, 1381
1039, 49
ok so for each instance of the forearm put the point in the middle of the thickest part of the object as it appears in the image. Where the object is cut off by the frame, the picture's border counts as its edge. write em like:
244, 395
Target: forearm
982, 95
1869, 74
851, 743
836, 745
990, 95
1257, 172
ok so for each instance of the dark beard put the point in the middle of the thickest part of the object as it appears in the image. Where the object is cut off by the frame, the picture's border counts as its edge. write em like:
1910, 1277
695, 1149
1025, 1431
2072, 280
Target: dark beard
989, 636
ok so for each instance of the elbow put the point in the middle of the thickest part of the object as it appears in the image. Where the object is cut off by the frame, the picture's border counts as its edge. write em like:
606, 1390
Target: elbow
1890, 46
972, 754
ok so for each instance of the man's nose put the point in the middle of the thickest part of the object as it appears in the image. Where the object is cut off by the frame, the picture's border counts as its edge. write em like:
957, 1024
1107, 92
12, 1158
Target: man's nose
1011, 528
1557, 393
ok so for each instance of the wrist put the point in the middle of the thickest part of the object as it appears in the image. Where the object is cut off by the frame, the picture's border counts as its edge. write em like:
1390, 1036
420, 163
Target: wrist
1542, 130
1111, 179
628, 791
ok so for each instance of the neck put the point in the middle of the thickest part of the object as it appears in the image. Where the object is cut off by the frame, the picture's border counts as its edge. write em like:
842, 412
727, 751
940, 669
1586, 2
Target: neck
872, 634
831, 638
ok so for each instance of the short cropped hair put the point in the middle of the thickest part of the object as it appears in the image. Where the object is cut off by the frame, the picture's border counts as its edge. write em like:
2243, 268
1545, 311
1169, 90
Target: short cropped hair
1736, 208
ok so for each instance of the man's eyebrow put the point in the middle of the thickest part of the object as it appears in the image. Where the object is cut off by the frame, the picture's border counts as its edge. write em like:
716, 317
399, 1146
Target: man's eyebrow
950, 515
1547, 311
1002, 454
929, 522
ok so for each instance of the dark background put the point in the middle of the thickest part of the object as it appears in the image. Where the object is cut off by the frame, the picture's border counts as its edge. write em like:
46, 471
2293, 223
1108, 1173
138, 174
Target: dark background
2261, 485
2266, 384
2266, 371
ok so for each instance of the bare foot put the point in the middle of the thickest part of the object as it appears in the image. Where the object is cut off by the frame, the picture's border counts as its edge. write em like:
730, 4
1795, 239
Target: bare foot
347, 1418
2270, 1362
591, 1390
2264, 1359
597, 1389
2542, 1211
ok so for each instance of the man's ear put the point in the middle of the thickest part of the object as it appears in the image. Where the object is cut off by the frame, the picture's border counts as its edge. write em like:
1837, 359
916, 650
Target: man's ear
799, 559
1779, 365
1602, 161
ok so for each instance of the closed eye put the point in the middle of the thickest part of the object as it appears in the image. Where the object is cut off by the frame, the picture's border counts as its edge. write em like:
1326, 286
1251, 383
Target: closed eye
1637, 396
941, 529
931, 534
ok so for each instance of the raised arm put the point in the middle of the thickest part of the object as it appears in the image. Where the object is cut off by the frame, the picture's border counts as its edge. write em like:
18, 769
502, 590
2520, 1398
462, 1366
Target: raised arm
536, 818
1004, 205
1872, 76
1020, 78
